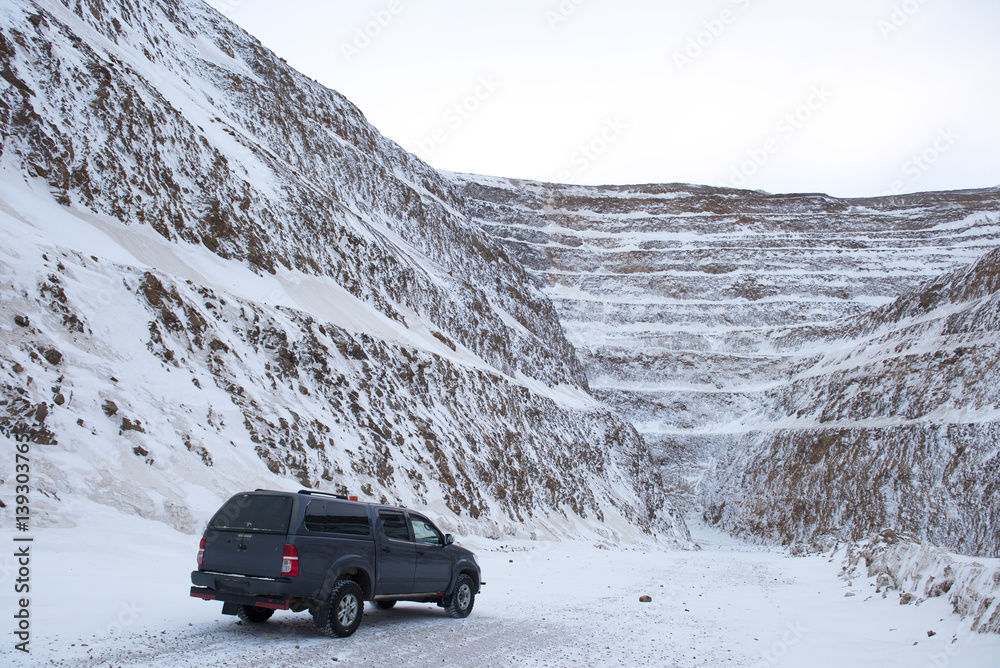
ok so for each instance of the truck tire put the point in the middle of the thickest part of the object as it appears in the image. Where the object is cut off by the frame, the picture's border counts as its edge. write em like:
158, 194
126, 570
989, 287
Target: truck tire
384, 604
251, 614
463, 599
341, 615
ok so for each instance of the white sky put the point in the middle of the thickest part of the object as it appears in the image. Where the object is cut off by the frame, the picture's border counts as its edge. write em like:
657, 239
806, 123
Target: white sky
905, 94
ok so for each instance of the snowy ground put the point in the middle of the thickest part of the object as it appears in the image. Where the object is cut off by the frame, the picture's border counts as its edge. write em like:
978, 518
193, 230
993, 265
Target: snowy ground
115, 594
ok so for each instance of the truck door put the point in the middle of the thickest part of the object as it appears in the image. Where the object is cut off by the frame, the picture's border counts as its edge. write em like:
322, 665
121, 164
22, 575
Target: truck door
434, 562
397, 554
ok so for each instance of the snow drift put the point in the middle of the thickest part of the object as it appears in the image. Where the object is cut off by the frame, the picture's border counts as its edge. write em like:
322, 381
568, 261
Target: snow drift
920, 571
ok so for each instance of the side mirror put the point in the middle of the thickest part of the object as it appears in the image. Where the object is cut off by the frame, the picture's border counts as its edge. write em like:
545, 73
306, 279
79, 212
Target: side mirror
448, 539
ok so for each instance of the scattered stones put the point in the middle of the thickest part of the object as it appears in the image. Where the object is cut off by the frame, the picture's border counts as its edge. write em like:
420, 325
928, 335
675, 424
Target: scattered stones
17, 368
52, 356
109, 407
128, 425
931, 634
906, 598
140, 451
41, 435
645, 599
59, 399
21, 320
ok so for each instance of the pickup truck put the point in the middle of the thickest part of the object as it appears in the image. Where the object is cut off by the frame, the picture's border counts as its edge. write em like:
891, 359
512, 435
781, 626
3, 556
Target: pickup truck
267, 550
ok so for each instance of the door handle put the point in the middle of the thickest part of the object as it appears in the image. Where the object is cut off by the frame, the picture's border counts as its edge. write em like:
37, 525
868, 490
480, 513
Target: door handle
387, 549
420, 552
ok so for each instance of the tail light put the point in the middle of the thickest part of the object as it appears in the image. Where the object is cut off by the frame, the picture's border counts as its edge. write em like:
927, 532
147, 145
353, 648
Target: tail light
290, 561
201, 553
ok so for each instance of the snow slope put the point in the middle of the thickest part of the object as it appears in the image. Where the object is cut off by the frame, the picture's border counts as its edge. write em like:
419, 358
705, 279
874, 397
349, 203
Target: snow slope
184, 377
247, 285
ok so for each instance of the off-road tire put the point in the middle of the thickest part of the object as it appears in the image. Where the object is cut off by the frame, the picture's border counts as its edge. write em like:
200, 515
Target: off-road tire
385, 604
251, 614
341, 615
463, 599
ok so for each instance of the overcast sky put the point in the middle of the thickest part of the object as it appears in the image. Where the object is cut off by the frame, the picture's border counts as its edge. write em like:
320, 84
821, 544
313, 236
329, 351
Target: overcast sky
852, 98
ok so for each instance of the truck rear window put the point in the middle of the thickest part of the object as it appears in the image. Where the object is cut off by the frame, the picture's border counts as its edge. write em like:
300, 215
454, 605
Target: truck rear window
254, 512
328, 516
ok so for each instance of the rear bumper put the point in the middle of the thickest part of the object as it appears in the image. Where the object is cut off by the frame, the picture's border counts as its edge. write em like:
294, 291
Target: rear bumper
275, 603
272, 593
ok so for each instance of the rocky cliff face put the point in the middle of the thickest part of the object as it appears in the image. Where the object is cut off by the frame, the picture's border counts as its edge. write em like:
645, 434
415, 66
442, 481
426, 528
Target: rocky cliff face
223, 274
762, 347
169, 115
895, 425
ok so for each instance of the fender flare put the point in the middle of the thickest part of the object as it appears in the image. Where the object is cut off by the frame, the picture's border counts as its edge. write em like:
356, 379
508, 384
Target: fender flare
343, 564
461, 566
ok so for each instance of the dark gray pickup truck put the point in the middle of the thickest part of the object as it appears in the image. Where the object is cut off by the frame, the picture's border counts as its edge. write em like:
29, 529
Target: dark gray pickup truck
265, 551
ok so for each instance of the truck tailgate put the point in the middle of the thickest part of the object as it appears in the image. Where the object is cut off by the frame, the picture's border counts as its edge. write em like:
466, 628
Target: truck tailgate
251, 553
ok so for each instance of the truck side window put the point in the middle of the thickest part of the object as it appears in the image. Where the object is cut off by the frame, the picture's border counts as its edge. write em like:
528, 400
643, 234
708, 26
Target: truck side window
393, 525
336, 517
425, 532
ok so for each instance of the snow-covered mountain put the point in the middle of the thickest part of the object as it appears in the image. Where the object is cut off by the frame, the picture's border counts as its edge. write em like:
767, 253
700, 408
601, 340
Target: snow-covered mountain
783, 355
218, 275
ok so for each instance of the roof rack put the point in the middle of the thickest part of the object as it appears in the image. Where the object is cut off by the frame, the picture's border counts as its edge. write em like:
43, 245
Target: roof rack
316, 492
